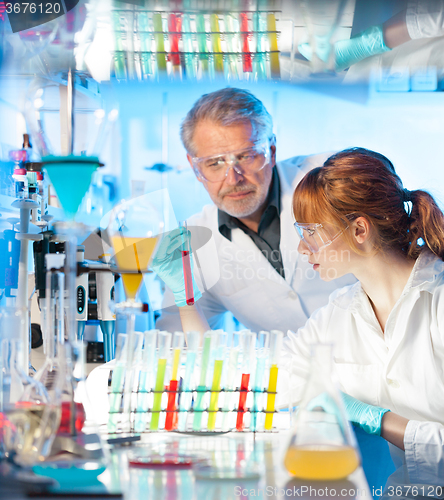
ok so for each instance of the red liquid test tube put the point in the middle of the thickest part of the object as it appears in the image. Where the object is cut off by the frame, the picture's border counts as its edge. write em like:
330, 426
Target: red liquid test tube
242, 401
189, 292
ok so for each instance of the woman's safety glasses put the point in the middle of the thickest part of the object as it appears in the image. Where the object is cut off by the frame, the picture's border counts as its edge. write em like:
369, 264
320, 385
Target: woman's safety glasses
244, 162
316, 236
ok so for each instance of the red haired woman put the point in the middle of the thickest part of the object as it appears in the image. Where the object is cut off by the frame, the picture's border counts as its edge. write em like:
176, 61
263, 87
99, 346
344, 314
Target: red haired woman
354, 216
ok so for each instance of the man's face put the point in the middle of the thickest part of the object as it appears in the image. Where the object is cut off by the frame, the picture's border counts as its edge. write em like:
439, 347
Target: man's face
239, 195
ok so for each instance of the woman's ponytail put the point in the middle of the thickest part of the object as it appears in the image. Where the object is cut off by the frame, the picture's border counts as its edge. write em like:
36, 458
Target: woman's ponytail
427, 223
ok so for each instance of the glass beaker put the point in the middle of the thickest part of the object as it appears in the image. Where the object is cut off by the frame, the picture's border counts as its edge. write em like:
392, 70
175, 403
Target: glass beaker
323, 445
29, 418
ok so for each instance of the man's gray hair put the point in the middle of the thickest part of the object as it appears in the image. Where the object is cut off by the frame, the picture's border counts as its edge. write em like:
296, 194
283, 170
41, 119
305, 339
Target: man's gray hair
229, 106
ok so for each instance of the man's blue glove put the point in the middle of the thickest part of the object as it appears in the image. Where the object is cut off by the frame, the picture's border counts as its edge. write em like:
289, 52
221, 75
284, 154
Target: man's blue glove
167, 263
348, 52
365, 416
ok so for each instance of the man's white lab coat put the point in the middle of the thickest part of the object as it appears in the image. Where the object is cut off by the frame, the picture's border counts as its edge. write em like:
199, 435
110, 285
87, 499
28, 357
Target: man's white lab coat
235, 276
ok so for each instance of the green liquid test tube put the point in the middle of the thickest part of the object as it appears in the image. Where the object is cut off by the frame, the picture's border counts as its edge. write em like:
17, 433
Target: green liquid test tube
215, 388
158, 388
188, 46
216, 43
201, 389
160, 43
163, 341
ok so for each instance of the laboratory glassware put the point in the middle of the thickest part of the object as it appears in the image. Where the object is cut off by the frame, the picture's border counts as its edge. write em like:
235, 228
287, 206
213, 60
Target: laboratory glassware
29, 417
163, 343
323, 446
146, 378
117, 382
192, 339
259, 372
186, 263
220, 341
248, 340
231, 369
275, 348
171, 419
202, 387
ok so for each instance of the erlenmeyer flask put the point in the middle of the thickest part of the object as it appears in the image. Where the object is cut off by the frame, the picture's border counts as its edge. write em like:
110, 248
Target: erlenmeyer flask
323, 445
28, 415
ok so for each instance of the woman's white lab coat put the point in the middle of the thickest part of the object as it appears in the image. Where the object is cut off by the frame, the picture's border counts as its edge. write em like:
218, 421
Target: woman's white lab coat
401, 368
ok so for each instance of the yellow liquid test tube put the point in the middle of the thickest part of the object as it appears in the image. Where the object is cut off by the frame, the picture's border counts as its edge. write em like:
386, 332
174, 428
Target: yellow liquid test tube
158, 388
215, 388
272, 39
160, 42
217, 46
271, 398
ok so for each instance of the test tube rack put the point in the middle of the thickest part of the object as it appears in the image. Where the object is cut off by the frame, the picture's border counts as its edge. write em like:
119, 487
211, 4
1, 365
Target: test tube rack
237, 42
232, 413
229, 389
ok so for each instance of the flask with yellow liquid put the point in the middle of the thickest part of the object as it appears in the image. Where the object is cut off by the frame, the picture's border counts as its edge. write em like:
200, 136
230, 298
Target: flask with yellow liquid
323, 445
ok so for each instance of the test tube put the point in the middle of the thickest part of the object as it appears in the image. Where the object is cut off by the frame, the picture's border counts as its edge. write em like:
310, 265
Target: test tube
160, 43
259, 26
258, 386
145, 41
117, 380
146, 378
231, 40
119, 57
274, 52
134, 355
231, 371
170, 420
163, 343
202, 387
246, 54
275, 349
221, 340
216, 44
188, 46
202, 42
248, 340
174, 25
186, 263
188, 385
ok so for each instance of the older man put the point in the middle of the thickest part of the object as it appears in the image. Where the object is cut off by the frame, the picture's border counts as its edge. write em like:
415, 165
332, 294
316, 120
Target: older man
228, 136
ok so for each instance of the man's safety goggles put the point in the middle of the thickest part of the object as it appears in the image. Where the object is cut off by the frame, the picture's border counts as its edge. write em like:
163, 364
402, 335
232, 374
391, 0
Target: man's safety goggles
243, 161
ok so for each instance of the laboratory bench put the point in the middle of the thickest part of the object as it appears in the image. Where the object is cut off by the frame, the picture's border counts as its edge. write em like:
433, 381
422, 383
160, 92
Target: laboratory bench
257, 458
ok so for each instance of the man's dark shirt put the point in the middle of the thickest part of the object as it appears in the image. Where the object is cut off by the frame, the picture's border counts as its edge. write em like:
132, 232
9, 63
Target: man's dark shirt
268, 237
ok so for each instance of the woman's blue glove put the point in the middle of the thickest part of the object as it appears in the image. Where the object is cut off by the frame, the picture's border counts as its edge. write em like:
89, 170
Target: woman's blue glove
348, 52
365, 416
167, 263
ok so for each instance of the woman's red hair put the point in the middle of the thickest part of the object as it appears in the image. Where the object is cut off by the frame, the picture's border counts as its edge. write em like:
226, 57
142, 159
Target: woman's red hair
358, 182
